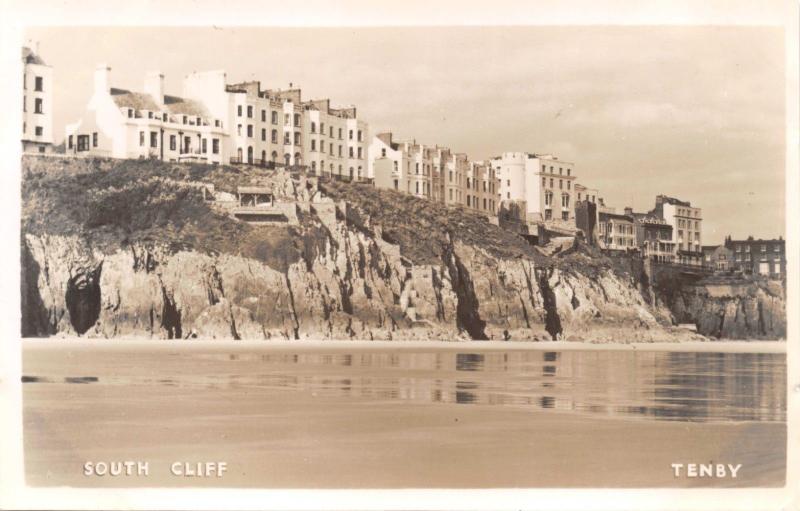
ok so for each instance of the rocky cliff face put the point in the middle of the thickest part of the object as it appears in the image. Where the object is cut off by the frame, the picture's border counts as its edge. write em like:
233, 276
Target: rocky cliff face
345, 272
733, 309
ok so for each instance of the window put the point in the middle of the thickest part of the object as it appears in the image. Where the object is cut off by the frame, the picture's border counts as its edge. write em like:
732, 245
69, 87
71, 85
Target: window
359, 135
172, 142
296, 138
198, 121
763, 248
185, 119
239, 110
83, 142
250, 111
263, 135
560, 184
551, 182
322, 146
313, 145
569, 171
263, 116
94, 139
164, 117
776, 248
38, 131
141, 138
274, 117
313, 127
287, 138
287, 120
153, 139
130, 113
38, 85
69, 142
340, 133
215, 145
204, 145
350, 135
544, 181
360, 154
274, 136
561, 171
297, 119
250, 130
569, 185
330, 131
239, 129
340, 150
383, 152
322, 128
350, 153
38, 106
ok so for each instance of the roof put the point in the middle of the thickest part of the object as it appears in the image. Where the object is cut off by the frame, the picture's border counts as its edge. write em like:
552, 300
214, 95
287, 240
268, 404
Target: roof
254, 190
28, 57
674, 201
136, 100
615, 216
177, 105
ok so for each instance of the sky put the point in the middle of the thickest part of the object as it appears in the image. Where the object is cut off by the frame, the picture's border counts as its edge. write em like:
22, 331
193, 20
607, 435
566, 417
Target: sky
694, 112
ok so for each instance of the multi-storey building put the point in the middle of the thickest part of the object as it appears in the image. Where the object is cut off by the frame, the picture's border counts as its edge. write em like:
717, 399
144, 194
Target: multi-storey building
480, 188
686, 222
120, 123
616, 232
542, 182
403, 166
653, 237
336, 141
758, 257
587, 194
37, 103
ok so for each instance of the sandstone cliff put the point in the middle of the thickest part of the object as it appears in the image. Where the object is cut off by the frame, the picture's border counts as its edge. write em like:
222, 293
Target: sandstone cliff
132, 249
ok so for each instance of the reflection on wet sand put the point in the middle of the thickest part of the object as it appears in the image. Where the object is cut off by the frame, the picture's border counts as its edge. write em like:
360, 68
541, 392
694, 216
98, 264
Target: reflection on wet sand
682, 386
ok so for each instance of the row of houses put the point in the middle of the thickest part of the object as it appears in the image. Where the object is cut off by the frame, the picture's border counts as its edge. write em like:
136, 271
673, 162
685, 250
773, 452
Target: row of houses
218, 122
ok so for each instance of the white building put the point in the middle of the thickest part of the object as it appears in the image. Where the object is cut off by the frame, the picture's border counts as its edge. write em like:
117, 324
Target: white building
37, 103
120, 123
335, 141
543, 183
403, 166
687, 223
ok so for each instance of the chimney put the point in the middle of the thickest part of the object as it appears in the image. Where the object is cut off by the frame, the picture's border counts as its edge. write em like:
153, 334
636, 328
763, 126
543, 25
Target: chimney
154, 85
628, 210
101, 78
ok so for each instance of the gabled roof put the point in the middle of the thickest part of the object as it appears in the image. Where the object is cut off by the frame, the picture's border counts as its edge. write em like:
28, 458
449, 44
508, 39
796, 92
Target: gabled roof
183, 106
28, 57
136, 100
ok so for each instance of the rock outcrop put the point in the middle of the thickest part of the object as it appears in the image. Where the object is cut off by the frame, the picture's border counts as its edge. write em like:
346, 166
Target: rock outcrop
734, 309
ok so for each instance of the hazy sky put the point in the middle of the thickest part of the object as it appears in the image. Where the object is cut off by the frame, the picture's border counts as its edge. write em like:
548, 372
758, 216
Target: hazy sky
692, 112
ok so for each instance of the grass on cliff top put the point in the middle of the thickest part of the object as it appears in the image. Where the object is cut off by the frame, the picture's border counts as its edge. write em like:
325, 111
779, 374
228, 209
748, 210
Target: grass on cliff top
421, 227
114, 203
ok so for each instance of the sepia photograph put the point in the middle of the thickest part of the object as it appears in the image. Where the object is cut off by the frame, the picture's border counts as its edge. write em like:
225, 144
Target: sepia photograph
403, 255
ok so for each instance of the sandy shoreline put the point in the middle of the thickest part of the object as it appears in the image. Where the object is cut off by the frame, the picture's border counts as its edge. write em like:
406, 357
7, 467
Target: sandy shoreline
691, 346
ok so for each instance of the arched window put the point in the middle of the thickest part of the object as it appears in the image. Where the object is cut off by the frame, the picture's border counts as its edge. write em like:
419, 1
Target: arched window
239, 154
351, 173
287, 158
263, 157
274, 156
298, 160
313, 166
250, 154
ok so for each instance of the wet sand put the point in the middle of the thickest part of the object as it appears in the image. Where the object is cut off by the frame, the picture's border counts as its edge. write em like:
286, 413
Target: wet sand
306, 439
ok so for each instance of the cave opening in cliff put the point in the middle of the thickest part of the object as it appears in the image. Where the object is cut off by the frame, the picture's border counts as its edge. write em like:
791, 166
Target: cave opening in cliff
83, 300
170, 317
552, 322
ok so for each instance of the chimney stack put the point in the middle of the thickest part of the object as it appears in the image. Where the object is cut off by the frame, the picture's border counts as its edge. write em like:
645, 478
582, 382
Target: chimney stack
101, 78
154, 85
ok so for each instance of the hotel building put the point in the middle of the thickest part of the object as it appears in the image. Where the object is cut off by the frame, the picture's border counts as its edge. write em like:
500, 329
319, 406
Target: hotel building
542, 182
686, 222
758, 257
